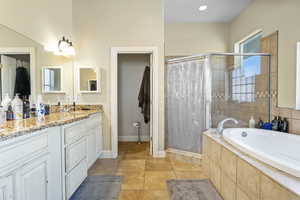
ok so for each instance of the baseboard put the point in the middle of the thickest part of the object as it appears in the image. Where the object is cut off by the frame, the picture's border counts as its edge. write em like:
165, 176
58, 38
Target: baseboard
106, 154
144, 138
160, 154
184, 153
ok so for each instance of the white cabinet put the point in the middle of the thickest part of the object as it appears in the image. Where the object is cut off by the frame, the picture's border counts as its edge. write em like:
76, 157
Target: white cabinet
99, 136
6, 188
49, 164
91, 148
75, 178
33, 180
75, 153
83, 144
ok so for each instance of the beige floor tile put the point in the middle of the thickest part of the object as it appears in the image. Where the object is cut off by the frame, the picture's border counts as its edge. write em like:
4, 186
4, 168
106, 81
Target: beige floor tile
190, 175
183, 166
158, 165
130, 195
132, 165
156, 180
132, 180
136, 155
155, 195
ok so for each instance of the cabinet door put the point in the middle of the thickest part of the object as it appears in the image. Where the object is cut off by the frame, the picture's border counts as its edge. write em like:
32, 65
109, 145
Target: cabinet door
99, 140
6, 188
91, 148
34, 180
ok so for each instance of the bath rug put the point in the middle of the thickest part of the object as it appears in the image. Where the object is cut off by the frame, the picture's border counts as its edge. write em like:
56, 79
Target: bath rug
99, 188
192, 190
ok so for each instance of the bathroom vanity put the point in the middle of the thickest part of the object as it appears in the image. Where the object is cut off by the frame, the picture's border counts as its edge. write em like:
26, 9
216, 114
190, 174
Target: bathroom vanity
48, 160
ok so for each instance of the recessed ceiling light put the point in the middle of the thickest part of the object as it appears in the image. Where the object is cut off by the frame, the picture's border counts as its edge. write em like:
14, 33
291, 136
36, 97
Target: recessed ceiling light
203, 8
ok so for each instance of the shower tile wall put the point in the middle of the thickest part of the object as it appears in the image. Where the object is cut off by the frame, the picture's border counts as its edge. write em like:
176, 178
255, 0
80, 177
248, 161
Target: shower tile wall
269, 44
223, 103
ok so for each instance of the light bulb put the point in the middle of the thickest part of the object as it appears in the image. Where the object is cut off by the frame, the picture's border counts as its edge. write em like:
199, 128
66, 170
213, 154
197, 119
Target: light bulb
203, 8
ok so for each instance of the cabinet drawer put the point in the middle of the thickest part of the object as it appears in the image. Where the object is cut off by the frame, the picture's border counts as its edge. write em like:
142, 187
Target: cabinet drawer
93, 123
76, 177
75, 153
23, 149
74, 132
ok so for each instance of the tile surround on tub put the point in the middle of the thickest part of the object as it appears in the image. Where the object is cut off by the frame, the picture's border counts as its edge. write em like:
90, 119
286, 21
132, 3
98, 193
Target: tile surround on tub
254, 180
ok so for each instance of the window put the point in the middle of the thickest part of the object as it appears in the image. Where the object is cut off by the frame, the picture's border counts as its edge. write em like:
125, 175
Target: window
243, 76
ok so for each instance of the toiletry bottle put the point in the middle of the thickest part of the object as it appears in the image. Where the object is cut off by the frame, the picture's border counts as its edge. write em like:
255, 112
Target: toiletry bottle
275, 124
26, 109
9, 113
267, 126
17, 106
252, 122
260, 123
5, 102
40, 109
2, 117
285, 125
47, 108
280, 124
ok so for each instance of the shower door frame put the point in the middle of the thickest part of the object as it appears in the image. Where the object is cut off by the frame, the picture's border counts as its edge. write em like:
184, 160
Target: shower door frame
154, 126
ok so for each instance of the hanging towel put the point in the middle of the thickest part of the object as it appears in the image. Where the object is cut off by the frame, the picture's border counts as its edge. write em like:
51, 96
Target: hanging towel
22, 85
144, 95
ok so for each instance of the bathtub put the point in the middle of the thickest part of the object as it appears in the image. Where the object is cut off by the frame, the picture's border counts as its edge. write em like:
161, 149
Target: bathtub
279, 150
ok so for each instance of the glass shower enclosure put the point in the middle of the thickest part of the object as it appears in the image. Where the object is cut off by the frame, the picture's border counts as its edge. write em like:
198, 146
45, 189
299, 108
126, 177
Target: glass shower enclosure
204, 89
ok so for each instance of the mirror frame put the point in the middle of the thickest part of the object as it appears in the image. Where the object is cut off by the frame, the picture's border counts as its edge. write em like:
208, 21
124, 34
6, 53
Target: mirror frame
25, 50
61, 91
98, 78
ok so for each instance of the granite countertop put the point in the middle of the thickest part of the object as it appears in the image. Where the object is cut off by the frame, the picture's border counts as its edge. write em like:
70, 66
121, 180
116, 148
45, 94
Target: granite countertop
16, 128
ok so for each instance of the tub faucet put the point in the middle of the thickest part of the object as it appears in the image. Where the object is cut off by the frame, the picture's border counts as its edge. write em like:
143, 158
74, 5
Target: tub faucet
221, 125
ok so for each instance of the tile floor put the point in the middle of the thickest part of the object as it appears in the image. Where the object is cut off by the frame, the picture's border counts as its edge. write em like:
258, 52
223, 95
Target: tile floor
144, 176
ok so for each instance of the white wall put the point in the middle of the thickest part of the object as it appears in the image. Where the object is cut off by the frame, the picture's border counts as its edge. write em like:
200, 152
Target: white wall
195, 38
270, 16
130, 75
101, 24
44, 21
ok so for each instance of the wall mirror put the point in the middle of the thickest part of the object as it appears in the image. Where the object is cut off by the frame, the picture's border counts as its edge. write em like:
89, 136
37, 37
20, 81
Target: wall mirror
17, 69
52, 79
89, 80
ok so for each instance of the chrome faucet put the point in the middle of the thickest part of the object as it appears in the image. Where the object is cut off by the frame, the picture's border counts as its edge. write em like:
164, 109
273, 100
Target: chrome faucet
221, 125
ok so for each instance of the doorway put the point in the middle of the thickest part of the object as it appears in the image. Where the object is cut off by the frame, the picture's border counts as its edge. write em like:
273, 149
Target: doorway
142, 52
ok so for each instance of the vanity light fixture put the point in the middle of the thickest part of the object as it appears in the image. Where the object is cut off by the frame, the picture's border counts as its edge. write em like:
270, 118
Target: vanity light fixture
203, 7
63, 44
65, 47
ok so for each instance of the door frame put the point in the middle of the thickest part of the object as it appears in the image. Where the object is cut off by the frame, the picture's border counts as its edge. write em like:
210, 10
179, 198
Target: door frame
115, 51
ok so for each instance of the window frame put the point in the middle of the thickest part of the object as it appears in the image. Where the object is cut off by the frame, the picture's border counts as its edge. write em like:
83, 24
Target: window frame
238, 61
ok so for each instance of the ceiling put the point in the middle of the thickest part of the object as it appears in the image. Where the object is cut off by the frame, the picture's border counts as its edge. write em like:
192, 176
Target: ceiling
177, 11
